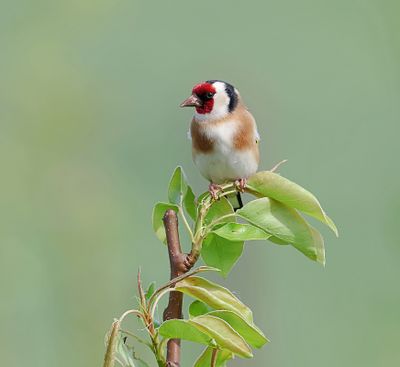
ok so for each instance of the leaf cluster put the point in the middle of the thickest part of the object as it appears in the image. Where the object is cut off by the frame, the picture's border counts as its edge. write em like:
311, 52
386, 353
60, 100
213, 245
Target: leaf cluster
218, 233
217, 318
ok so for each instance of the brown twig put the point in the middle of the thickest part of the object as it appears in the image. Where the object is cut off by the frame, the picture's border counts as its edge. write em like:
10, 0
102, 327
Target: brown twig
140, 289
214, 357
180, 263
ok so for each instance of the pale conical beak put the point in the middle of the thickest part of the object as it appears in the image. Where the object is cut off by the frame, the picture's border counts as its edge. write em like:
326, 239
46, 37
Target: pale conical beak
192, 101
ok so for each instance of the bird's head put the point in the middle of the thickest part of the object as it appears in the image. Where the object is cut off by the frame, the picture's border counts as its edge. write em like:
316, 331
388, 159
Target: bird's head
212, 99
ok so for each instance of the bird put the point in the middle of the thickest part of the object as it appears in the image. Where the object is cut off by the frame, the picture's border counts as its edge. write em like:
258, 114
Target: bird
224, 135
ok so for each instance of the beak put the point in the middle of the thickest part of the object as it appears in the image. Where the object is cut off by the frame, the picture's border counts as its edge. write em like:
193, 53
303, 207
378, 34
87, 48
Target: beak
192, 101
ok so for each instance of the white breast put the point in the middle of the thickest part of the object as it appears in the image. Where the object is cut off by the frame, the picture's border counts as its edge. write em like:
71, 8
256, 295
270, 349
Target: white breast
225, 163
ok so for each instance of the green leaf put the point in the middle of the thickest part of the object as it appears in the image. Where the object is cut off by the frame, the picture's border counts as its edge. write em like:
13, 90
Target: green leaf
218, 209
204, 359
126, 356
221, 253
180, 193
319, 245
241, 232
198, 308
278, 241
224, 335
213, 295
208, 330
158, 214
249, 332
150, 290
189, 202
183, 329
141, 363
272, 185
177, 187
286, 224
123, 354
138, 339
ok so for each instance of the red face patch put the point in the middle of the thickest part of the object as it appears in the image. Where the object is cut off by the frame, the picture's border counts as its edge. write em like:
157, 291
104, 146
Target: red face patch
205, 91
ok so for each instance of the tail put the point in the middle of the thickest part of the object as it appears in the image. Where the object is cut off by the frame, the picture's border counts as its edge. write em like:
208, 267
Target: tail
236, 201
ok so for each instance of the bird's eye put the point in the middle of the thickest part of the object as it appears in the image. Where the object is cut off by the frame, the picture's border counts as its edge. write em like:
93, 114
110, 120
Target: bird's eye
209, 95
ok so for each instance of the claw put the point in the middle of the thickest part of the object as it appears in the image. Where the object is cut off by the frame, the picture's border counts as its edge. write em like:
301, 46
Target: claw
241, 184
213, 190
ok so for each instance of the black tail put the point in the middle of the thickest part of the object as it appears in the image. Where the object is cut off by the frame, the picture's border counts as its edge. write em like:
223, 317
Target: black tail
239, 202
236, 201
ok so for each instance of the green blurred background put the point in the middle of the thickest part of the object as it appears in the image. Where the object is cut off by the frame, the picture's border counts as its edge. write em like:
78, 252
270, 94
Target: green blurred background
91, 131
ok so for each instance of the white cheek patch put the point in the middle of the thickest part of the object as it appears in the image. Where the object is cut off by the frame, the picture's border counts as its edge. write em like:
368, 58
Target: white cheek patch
221, 102
221, 99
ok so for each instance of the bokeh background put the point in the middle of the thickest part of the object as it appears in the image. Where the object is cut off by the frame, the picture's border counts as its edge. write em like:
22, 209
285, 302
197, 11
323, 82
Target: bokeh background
90, 131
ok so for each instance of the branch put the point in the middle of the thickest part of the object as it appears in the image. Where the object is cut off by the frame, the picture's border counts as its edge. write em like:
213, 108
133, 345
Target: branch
180, 263
214, 357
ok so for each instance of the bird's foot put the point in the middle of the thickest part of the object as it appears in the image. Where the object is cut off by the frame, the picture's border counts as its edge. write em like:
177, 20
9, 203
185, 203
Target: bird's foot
241, 184
213, 190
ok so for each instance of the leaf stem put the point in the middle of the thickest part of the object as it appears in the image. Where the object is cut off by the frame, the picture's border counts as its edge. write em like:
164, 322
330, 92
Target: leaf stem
226, 216
274, 168
126, 313
186, 223
214, 357
226, 193
152, 307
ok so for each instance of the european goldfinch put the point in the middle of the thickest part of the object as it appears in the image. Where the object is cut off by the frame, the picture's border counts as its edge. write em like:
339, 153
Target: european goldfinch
224, 135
